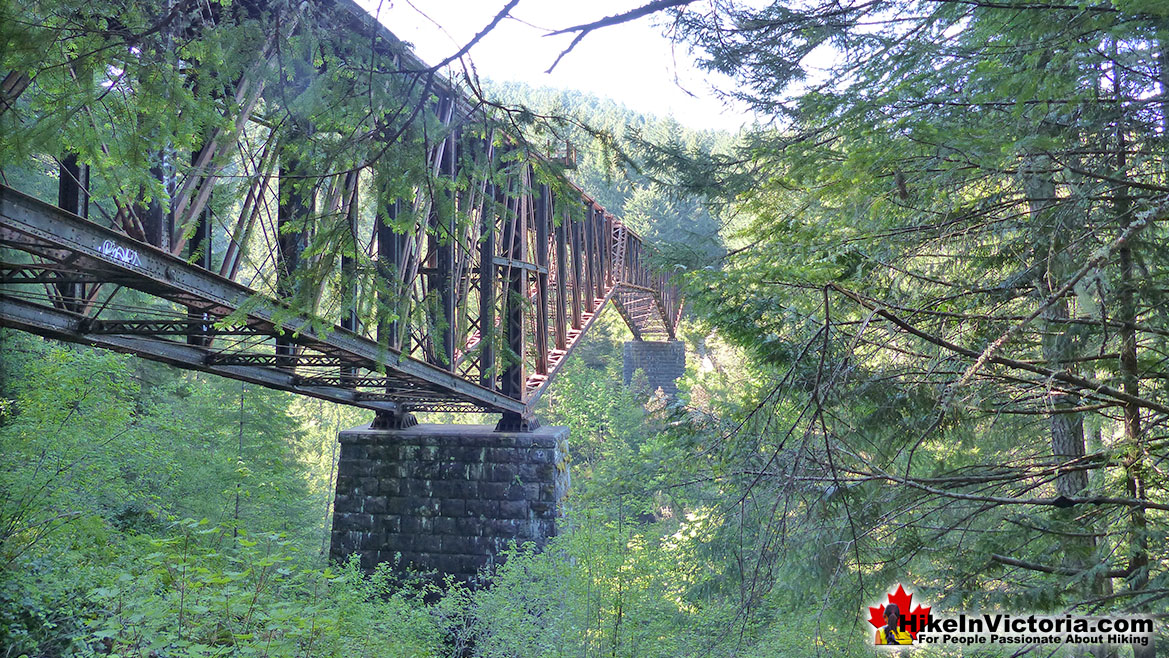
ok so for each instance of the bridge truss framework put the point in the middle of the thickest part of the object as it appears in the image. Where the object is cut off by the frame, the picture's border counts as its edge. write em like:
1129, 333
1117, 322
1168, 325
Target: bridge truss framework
482, 290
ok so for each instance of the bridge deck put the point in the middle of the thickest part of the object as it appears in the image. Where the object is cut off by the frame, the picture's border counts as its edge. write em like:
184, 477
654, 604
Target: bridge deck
330, 362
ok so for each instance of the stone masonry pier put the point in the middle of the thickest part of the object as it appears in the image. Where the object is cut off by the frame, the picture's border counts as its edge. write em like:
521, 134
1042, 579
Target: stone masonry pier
662, 361
446, 498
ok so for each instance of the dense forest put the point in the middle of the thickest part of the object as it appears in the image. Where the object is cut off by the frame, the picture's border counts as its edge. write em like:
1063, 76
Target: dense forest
926, 341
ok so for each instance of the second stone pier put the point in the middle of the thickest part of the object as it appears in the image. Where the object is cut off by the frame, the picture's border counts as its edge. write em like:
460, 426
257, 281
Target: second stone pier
662, 361
446, 498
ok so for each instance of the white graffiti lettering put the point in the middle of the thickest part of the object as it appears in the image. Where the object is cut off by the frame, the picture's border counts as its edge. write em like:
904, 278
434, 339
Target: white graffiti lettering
120, 253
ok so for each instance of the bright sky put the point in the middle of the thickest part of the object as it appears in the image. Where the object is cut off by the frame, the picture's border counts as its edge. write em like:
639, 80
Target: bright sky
631, 63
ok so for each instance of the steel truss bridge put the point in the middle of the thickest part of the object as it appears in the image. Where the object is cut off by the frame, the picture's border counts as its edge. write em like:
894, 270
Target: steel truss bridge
467, 291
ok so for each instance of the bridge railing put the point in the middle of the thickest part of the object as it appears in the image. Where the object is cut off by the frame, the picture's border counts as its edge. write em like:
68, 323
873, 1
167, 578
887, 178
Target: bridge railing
423, 257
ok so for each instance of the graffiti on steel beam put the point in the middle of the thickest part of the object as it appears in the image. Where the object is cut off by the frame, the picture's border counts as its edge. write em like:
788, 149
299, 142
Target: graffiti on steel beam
111, 249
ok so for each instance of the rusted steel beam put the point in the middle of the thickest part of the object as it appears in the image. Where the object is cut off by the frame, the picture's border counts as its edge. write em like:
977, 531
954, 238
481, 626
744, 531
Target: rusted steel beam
246, 359
157, 220
73, 197
34, 226
13, 85
349, 289
444, 279
487, 290
562, 270
543, 220
578, 276
390, 247
168, 328
293, 211
515, 228
62, 325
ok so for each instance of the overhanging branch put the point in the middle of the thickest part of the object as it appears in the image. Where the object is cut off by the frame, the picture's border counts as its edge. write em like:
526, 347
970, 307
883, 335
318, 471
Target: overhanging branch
584, 29
1059, 571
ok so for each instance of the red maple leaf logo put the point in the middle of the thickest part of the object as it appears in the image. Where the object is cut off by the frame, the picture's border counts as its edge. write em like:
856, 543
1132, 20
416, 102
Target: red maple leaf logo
910, 622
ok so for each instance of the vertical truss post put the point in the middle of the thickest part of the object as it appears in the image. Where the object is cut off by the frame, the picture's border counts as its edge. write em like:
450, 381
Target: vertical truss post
605, 251
578, 278
292, 212
599, 254
487, 290
514, 241
608, 248
543, 219
349, 269
590, 255
199, 251
200, 247
638, 273
630, 244
73, 196
11, 87
389, 271
621, 236
158, 222
444, 280
390, 249
617, 236
561, 239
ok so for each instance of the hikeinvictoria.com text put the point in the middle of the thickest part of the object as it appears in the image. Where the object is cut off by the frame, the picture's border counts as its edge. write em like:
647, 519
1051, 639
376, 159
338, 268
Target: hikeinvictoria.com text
1004, 628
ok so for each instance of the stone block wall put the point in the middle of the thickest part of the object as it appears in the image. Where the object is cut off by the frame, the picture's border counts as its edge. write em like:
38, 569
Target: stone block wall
663, 362
446, 498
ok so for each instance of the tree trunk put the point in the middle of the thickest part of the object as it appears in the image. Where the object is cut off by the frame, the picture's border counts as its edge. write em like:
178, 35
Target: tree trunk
1067, 428
1138, 548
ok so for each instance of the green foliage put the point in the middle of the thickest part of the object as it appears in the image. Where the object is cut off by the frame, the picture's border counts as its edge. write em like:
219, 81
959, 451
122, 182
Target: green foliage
198, 589
103, 433
101, 451
203, 591
924, 202
606, 424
